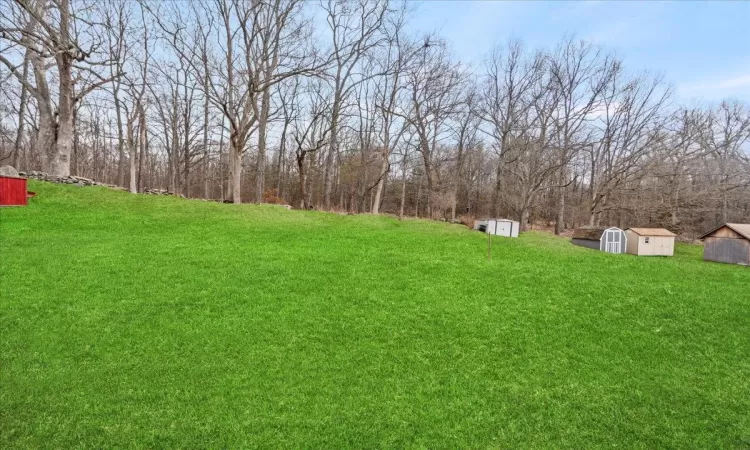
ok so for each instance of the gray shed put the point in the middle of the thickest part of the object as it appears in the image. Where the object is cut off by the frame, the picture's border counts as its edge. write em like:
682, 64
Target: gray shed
730, 243
610, 240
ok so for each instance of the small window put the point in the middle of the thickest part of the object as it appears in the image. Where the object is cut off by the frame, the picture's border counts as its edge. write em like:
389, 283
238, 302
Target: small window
645, 240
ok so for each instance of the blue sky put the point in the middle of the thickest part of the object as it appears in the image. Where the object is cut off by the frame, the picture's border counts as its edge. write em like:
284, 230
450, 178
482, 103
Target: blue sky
702, 48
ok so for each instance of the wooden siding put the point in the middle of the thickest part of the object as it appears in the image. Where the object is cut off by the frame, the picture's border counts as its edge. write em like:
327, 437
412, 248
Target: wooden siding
588, 243
12, 191
727, 250
632, 247
726, 232
657, 245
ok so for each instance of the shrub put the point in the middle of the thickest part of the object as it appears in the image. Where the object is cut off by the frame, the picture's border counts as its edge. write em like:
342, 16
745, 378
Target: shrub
272, 196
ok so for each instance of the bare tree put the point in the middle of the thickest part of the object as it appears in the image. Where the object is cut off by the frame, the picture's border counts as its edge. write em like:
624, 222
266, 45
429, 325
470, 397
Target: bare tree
508, 79
243, 76
580, 72
54, 30
279, 32
727, 132
533, 158
354, 27
465, 131
191, 93
136, 114
22, 109
310, 135
631, 121
397, 55
117, 18
434, 85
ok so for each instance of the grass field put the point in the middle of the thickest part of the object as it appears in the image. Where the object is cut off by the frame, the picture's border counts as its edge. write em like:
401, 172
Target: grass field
143, 321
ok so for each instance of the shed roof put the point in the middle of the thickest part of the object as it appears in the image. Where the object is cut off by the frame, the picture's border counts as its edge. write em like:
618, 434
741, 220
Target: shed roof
592, 233
497, 220
743, 229
652, 232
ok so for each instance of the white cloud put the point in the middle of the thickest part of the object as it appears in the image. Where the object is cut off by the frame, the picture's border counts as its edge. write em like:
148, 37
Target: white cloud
738, 82
718, 87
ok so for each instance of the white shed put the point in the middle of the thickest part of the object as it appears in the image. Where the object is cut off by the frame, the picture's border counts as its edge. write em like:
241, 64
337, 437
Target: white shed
610, 240
650, 241
498, 227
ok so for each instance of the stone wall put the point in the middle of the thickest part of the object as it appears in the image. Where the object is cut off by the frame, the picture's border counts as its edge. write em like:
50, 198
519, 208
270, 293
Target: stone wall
81, 181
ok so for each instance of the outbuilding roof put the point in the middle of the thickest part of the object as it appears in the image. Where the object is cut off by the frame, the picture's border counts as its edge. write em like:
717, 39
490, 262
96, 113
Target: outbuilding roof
743, 229
652, 232
498, 220
591, 233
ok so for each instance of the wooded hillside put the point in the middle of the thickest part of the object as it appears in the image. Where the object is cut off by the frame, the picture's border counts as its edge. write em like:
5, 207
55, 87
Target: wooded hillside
337, 105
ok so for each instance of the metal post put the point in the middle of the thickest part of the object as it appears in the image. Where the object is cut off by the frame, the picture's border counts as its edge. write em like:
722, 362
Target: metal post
489, 246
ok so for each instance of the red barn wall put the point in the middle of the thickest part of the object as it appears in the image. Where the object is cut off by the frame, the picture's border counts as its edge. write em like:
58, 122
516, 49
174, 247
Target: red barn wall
12, 191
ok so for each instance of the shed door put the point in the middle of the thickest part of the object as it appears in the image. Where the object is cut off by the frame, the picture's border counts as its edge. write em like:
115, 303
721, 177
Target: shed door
503, 228
612, 241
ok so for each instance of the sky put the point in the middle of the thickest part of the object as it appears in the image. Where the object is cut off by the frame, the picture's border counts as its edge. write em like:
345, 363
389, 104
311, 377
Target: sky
702, 48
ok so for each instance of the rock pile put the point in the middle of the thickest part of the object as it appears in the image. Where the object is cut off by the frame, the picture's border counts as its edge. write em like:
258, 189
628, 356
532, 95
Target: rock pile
8, 171
72, 179
82, 181
158, 192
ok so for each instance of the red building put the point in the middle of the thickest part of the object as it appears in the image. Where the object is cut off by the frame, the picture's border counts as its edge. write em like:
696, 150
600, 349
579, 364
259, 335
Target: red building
13, 191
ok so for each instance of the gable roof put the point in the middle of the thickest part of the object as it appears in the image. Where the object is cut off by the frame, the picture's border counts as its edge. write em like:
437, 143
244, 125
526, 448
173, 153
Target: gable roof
743, 229
591, 233
652, 232
497, 220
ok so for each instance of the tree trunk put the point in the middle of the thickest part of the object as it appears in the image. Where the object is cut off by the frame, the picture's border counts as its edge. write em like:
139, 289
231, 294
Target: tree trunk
280, 163
419, 194
143, 152
379, 187
560, 219
120, 139
235, 173
430, 187
206, 161
45, 139
524, 219
330, 157
260, 173
60, 163
76, 142
186, 143
302, 181
457, 179
498, 189
134, 148
332, 146
21, 115
403, 194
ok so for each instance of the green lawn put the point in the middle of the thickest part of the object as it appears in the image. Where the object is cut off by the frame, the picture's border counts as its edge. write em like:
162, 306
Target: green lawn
143, 321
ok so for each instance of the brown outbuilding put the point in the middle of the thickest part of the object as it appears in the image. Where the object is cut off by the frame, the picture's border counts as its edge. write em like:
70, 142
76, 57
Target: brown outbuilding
730, 243
650, 241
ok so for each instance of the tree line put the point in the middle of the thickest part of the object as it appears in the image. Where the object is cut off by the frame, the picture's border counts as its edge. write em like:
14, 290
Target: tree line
337, 105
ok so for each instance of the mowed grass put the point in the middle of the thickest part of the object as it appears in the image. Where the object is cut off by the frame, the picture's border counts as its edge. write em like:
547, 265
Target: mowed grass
142, 321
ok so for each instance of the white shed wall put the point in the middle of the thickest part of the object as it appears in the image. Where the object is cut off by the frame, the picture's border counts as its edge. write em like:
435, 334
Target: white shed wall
499, 227
613, 240
656, 246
